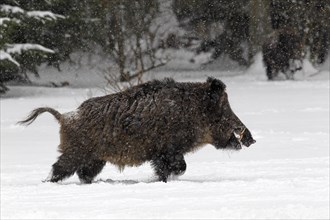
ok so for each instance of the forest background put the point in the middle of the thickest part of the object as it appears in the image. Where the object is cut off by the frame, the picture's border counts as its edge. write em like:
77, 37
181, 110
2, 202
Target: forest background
134, 37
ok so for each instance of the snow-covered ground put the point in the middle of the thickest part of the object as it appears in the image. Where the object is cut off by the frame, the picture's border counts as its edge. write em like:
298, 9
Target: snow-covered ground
285, 175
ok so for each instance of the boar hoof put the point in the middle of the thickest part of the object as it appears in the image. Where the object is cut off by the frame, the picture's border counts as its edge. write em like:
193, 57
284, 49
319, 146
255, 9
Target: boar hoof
89, 171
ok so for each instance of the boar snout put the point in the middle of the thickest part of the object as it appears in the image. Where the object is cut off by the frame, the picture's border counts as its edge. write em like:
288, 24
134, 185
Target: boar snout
241, 135
246, 138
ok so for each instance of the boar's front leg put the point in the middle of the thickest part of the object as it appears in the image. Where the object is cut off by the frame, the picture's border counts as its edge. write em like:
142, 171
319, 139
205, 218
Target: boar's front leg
168, 163
88, 171
160, 164
177, 164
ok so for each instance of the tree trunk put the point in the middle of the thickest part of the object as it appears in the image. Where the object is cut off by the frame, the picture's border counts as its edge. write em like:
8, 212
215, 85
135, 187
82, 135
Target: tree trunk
260, 25
120, 39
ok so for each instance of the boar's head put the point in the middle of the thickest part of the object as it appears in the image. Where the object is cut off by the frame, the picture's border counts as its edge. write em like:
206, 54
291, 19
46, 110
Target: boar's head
227, 130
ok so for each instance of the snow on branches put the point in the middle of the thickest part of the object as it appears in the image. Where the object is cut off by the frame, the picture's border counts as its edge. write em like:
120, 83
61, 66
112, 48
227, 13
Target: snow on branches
40, 15
6, 56
9, 14
18, 48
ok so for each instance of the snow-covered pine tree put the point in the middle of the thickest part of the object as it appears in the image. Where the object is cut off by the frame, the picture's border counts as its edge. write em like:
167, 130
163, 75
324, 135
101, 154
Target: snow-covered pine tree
22, 31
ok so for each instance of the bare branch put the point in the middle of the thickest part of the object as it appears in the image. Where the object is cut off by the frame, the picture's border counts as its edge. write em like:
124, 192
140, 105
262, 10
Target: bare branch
138, 73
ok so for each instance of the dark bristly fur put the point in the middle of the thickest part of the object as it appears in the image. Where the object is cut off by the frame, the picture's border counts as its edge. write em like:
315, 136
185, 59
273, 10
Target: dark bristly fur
159, 121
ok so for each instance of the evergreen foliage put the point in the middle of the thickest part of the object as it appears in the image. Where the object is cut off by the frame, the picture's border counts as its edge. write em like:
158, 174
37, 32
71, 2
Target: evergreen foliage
309, 18
27, 38
221, 25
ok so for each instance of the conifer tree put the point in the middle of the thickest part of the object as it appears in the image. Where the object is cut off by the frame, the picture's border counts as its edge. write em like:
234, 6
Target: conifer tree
23, 35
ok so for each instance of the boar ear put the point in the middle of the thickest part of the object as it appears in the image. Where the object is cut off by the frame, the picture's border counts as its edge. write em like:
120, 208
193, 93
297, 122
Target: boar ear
216, 87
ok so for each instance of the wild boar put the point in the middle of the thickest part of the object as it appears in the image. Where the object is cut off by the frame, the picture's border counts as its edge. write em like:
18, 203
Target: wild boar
157, 122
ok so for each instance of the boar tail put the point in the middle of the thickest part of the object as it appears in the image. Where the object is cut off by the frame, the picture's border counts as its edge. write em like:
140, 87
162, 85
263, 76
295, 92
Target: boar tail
36, 112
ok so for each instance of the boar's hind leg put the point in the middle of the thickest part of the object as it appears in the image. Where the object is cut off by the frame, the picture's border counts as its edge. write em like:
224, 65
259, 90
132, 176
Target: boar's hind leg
65, 167
168, 163
87, 172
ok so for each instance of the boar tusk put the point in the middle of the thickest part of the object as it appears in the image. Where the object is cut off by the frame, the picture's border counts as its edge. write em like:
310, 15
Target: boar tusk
241, 134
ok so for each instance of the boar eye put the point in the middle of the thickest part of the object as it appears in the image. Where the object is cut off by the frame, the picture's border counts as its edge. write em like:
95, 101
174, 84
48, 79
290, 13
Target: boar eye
216, 121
